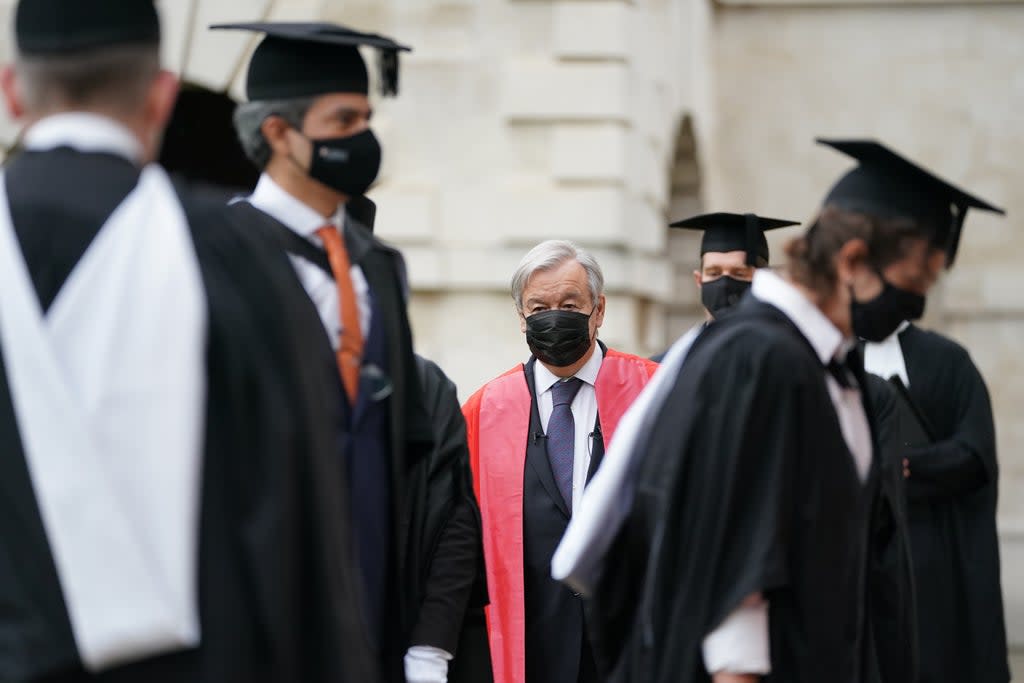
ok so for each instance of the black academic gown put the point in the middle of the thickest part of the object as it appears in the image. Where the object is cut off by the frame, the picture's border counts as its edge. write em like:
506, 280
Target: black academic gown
892, 613
451, 616
952, 491
558, 648
748, 487
410, 435
277, 589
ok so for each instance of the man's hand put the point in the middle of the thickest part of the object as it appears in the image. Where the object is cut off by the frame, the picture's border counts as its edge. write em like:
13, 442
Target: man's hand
726, 677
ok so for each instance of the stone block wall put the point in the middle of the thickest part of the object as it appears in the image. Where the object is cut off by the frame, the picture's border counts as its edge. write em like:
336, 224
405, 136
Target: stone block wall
521, 121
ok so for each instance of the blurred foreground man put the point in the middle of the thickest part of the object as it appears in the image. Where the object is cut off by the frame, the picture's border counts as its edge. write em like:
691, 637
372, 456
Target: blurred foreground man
761, 562
732, 247
537, 434
306, 126
169, 510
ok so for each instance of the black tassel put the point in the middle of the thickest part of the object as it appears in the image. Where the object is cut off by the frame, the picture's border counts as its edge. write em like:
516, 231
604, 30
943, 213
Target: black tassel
752, 237
953, 242
387, 61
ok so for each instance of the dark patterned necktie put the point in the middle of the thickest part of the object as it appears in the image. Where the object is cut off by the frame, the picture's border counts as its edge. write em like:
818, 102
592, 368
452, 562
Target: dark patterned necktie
562, 436
845, 371
840, 373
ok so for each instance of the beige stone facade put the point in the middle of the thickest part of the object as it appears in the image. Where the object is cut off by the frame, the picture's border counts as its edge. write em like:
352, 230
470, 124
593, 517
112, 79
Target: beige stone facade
597, 120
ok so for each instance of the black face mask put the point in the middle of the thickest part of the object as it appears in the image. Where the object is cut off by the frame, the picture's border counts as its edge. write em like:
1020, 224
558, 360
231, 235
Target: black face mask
875, 320
722, 294
348, 165
558, 338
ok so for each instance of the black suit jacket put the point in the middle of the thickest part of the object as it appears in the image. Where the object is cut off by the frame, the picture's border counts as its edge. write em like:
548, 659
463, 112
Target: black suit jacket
557, 644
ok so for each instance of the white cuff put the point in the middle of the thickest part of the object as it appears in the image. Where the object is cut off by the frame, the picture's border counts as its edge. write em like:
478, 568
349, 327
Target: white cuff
426, 664
740, 645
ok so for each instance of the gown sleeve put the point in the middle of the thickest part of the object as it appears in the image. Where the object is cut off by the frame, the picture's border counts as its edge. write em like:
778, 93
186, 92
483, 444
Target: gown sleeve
966, 461
457, 554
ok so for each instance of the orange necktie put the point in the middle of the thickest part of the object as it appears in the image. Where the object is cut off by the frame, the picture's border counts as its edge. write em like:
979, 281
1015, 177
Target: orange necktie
350, 352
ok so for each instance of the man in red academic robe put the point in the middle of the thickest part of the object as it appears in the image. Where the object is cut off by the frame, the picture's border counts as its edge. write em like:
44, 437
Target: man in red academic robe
536, 435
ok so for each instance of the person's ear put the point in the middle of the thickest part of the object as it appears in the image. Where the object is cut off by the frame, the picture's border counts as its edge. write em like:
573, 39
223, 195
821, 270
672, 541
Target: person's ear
522, 320
698, 279
12, 93
937, 259
156, 112
163, 94
275, 132
851, 261
598, 314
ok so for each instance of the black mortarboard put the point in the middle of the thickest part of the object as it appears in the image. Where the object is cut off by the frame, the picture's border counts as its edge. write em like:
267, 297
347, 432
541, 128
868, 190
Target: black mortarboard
56, 27
887, 185
734, 232
309, 59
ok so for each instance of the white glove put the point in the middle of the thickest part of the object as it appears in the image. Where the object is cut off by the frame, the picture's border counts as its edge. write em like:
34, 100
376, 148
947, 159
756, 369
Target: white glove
426, 664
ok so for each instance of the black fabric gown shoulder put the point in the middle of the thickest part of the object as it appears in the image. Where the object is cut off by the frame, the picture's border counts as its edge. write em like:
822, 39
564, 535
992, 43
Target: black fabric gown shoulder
747, 486
276, 584
953, 490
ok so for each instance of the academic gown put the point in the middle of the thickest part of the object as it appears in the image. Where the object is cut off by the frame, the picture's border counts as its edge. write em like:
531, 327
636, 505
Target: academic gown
409, 434
452, 614
748, 486
277, 587
952, 491
537, 625
891, 596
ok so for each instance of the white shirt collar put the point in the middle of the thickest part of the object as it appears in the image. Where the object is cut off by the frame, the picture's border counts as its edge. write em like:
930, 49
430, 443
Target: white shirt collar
824, 337
545, 379
273, 199
84, 132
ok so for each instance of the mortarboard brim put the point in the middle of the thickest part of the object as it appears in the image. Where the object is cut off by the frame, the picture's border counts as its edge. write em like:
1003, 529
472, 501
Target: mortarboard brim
724, 232
299, 59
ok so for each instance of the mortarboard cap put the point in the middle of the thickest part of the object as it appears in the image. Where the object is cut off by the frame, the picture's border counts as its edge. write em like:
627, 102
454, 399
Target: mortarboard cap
887, 185
60, 27
725, 232
310, 59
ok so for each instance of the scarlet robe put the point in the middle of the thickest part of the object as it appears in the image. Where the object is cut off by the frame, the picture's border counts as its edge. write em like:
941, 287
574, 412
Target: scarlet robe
497, 421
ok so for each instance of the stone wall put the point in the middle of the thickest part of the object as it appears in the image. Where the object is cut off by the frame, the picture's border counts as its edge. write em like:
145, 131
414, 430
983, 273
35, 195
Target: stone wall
522, 121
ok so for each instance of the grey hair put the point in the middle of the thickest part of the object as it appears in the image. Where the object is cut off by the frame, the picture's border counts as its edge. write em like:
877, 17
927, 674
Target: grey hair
551, 254
108, 78
249, 118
